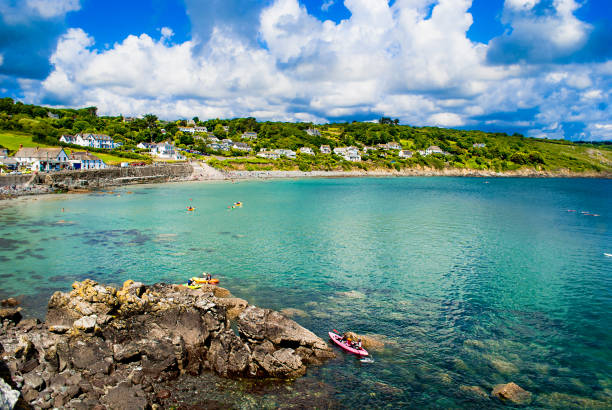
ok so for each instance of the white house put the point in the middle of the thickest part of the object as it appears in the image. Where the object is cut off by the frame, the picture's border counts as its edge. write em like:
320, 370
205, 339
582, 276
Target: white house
306, 151
146, 145
479, 145
165, 150
200, 129
394, 145
241, 146
325, 149
405, 154
189, 130
226, 128
10, 163
249, 135
313, 132
84, 160
348, 153
68, 139
268, 154
213, 139
434, 149
42, 159
286, 152
95, 141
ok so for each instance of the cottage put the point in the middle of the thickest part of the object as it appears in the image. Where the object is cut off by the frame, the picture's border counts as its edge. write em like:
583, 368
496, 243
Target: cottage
52, 115
226, 128
3, 152
286, 152
213, 139
95, 141
42, 159
241, 146
10, 163
215, 146
313, 132
268, 154
325, 149
84, 160
200, 129
129, 119
405, 154
348, 153
165, 150
479, 145
68, 139
146, 145
249, 135
306, 151
188, 130
394, 145
434, 149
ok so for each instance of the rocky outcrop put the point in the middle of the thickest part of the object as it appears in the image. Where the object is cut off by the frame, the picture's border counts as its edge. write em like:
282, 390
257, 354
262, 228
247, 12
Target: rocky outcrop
511, 393
113, 346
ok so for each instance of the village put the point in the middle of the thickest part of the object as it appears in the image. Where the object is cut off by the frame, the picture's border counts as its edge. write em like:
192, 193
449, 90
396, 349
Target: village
45, 159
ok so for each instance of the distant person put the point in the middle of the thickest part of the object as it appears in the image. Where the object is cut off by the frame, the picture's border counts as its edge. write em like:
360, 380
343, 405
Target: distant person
208, 276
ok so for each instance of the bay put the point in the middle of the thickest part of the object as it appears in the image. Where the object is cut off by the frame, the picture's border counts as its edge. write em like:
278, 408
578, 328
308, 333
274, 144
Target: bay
472, 282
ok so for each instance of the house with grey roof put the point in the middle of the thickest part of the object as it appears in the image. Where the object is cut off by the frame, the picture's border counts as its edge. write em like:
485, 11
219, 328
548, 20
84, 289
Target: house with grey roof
42, 159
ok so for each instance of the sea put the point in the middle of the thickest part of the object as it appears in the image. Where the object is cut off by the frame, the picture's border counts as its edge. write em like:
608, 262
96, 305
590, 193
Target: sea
468, 282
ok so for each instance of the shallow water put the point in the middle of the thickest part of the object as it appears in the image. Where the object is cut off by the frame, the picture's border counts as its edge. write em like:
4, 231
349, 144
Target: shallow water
472, 283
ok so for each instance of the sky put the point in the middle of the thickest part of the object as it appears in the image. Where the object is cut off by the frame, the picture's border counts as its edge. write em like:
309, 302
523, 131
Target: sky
542, 68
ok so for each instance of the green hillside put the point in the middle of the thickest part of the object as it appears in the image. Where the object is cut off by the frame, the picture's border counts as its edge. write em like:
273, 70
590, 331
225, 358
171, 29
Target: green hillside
32, 125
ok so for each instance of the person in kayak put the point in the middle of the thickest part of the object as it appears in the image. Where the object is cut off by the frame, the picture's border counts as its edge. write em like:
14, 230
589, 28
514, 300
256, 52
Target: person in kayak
208, 276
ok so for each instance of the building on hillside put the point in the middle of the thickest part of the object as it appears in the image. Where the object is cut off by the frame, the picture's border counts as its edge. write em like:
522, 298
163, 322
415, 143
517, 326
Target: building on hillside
268, 154
189, 130
200, 129
422, 153
213, 139
85, 160
68, 139
129, 119
146, 145
250, 135
405, 154
306, 151
325, 149
191, 122
241, 146
367, 148
434, 149
286, 152
479, 145
313, 132
394, 145
226, 128
52, 115
166, 150
348, 153
3, 152
95, 141
42, 159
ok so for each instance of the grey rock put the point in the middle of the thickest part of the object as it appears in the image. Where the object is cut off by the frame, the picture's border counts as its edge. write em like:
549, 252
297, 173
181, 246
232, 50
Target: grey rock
34, 381
86, 323
8, 396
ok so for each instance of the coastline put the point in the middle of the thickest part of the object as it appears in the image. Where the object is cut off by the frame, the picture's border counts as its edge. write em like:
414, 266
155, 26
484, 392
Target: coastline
200, 171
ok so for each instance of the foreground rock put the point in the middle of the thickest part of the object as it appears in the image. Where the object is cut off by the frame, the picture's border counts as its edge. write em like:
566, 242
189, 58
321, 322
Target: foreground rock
511, 393
114, 346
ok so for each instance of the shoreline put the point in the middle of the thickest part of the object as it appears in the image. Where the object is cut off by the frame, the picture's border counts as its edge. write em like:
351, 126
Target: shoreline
202, 172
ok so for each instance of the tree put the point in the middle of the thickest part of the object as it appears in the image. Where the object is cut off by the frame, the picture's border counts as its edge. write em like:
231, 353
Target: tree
150, 121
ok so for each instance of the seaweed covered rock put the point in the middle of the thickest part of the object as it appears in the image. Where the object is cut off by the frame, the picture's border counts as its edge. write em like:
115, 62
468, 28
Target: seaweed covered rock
99, 342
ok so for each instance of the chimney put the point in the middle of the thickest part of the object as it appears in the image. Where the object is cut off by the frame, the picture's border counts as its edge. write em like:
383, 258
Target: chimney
20, 146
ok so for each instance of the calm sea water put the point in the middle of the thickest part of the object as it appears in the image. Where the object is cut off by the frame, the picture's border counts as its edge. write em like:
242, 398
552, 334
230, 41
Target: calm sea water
472, 282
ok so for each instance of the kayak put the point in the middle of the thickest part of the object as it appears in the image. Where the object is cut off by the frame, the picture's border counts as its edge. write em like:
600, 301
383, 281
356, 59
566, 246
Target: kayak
337, 339
192, 286
213, 281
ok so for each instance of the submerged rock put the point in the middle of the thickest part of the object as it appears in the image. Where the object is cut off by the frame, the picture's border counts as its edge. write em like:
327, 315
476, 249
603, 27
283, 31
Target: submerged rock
120, 342
512, 393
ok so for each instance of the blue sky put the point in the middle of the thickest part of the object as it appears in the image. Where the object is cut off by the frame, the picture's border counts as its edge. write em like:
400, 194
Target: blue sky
539, 67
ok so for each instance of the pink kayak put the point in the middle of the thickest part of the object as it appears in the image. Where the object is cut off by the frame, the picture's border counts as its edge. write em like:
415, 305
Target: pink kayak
338, 340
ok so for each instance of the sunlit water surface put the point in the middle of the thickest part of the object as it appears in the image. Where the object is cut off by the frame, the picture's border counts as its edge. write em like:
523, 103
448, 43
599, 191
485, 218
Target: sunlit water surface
471, 282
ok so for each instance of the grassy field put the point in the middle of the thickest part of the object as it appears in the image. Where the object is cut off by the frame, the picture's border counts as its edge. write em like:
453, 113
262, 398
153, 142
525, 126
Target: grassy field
12, 140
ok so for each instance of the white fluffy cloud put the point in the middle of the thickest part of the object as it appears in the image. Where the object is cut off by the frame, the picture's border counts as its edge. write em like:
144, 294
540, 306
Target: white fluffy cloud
389, 60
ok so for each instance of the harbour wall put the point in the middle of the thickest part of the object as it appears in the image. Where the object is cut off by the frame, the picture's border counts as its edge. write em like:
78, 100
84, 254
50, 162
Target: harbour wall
98, 178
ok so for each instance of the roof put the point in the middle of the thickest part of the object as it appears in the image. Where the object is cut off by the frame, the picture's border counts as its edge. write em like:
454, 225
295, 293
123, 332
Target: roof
97, 136
434, 147
41, 153
9, 160
83, 156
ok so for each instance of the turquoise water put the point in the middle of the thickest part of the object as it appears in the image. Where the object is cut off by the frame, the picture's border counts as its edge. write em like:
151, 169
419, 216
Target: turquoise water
473, 282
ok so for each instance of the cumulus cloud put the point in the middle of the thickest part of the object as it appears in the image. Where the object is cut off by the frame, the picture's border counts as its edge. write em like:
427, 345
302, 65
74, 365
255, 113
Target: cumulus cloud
396, 60
541, 31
